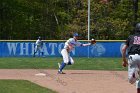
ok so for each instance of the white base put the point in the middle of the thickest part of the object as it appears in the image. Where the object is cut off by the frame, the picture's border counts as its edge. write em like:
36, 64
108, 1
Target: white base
40, 74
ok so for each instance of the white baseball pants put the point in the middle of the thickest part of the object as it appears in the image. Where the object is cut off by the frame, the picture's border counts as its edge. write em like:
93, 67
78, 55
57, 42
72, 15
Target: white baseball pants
133, 69
66, 56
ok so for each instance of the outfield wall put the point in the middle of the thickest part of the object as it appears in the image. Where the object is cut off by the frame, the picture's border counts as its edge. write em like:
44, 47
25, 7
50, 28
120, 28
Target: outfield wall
52, 48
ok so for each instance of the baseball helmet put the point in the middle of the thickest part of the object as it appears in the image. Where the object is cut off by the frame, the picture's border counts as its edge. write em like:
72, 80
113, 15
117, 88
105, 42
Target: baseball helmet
75, 34
39, 37
137, 28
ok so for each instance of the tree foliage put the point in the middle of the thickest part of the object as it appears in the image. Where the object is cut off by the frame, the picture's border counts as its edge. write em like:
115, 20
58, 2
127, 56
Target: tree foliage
58, 19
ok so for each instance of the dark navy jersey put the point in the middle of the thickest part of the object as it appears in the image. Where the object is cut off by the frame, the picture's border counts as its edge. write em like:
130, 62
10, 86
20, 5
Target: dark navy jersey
133, 43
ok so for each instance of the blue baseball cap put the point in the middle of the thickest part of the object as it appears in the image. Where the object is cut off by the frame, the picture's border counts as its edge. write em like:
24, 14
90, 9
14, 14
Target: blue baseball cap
75, 34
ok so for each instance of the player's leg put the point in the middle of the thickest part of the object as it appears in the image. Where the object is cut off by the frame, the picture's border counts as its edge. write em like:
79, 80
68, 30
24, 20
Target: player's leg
65, 56
132, 69
138, 81
138, 90
41, 50
35, 51
71, 61
133, 73
138, 86
62, 66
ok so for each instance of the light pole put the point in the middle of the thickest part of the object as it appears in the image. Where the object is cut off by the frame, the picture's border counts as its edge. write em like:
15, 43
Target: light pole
88, 19
88, 24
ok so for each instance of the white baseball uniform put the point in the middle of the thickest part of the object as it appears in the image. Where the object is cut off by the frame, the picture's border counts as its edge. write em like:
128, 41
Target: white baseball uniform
39, 45
66, 51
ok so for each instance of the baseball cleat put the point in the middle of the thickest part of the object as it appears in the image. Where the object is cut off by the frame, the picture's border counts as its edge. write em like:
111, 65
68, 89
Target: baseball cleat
59, 65
60, 72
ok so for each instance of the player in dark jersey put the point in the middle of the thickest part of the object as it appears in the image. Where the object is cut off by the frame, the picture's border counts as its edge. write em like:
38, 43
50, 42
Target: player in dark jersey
132, 45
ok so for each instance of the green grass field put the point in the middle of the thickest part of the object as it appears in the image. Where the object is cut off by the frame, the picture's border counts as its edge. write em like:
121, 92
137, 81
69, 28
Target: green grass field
21, 86
51, 63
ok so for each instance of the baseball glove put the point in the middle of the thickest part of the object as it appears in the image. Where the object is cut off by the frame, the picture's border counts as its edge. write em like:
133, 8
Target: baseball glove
93, 41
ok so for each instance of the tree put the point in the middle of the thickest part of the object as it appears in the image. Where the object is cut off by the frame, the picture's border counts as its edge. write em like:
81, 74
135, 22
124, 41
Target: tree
59, 19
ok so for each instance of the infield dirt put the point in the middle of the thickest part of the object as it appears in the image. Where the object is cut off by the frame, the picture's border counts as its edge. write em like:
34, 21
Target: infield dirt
74, 81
